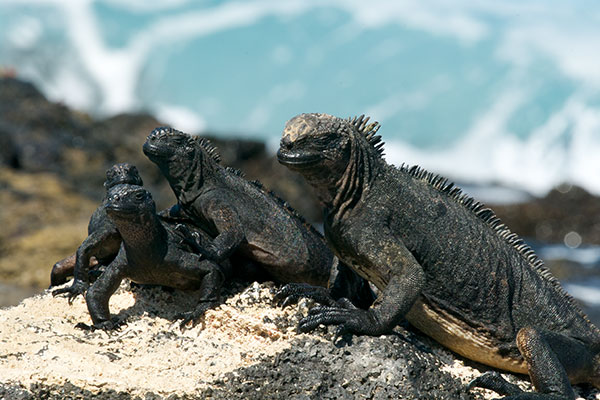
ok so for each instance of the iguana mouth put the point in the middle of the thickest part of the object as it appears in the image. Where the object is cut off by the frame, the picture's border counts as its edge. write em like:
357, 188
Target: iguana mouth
120, 209
298, 159
151, 150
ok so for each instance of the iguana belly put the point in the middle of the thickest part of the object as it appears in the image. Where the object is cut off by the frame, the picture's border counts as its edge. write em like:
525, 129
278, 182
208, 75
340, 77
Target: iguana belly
461, 338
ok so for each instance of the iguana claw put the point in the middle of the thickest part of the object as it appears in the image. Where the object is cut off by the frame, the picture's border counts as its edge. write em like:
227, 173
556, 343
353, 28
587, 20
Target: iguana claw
492, 380
76, 289
350, 320
293, 292
195, 316
107, 326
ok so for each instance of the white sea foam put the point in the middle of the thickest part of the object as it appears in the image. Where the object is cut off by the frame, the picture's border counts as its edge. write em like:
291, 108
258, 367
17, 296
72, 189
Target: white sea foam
438, 17
585, 255
564, 149
588, 291
115, 72
182, 118
93, 75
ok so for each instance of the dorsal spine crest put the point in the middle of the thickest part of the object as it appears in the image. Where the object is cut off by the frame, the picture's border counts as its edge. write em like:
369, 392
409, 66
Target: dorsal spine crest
369, 131
489, 217
208, 148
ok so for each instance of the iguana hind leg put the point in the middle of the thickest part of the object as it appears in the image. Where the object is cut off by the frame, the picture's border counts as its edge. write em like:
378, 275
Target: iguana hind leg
62, 270
553, 360
210, 275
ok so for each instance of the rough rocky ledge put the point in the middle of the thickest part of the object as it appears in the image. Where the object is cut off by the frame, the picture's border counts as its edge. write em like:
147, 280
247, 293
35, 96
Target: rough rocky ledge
246, 348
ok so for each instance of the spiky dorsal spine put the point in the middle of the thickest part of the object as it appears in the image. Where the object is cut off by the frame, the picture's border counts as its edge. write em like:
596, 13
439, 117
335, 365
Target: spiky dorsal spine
369, 131
488, 216
235, 171
208, 148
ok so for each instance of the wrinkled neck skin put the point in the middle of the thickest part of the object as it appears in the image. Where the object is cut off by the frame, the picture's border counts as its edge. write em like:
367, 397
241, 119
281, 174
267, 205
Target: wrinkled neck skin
143, 236
362, 168
188, 176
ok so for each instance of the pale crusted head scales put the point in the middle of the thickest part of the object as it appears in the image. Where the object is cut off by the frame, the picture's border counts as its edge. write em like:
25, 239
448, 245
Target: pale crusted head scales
304, 125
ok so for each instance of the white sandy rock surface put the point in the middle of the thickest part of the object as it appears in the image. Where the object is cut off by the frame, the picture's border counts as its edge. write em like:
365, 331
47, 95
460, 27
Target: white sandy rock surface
246, 348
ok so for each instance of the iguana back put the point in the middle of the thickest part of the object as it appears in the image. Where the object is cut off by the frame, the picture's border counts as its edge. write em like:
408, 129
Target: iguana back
242, 217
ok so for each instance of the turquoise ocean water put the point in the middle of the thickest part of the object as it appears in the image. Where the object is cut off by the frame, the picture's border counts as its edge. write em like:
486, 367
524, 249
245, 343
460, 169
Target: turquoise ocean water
481, 91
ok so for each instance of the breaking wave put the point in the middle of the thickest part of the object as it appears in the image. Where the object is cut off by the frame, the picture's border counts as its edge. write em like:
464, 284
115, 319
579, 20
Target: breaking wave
483, 92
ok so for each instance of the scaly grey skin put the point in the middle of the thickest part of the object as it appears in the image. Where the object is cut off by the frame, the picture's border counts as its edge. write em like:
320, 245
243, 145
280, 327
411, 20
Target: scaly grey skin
441, 261
152, 252
103, 241
248, 222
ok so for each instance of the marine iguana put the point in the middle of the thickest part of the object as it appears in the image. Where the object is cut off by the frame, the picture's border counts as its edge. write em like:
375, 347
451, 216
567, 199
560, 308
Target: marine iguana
441, 260
103, 241
247, 221
152, 252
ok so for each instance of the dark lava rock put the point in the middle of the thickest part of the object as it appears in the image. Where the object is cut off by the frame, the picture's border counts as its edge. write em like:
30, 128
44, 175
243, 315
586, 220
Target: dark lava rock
566, 210
37, 135
386, 367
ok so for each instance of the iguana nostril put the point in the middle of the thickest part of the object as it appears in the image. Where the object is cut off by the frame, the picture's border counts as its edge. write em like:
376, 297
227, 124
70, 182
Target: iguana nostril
287, 143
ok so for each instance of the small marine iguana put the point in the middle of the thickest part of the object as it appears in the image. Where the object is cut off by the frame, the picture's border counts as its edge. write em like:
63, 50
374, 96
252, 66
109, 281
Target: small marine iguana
152, 252
441, 260
247, 221
103, 241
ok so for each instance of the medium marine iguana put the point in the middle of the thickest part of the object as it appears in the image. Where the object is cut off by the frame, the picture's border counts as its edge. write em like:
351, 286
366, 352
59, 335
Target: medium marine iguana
103, 241
441, 260
247, 221
152, 252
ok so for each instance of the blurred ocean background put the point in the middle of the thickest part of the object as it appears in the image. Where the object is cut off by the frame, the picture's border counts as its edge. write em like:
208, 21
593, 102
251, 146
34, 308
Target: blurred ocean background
489, 93
481, 91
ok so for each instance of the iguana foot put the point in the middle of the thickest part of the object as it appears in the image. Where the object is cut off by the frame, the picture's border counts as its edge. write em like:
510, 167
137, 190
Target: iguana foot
293, 292
194, 317
108, 326
185, 232
492, 380
189, 237
76, 289
350, 320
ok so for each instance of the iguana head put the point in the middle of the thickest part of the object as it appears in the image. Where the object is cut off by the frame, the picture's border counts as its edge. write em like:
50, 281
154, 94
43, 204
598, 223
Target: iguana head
122, 173
327, 149
127, 202
165, 144
181, 157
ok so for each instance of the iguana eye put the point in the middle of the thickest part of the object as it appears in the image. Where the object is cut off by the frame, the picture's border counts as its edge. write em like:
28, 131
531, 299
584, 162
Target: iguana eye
140, 195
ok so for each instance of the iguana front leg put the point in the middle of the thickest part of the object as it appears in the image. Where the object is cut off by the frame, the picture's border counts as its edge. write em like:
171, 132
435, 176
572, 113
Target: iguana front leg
344, 285
227, 223
98, 296
388, 260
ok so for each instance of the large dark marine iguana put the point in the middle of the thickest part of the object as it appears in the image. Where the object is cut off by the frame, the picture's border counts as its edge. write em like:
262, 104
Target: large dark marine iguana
152, 252
102, 243
246, 221
441, 260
